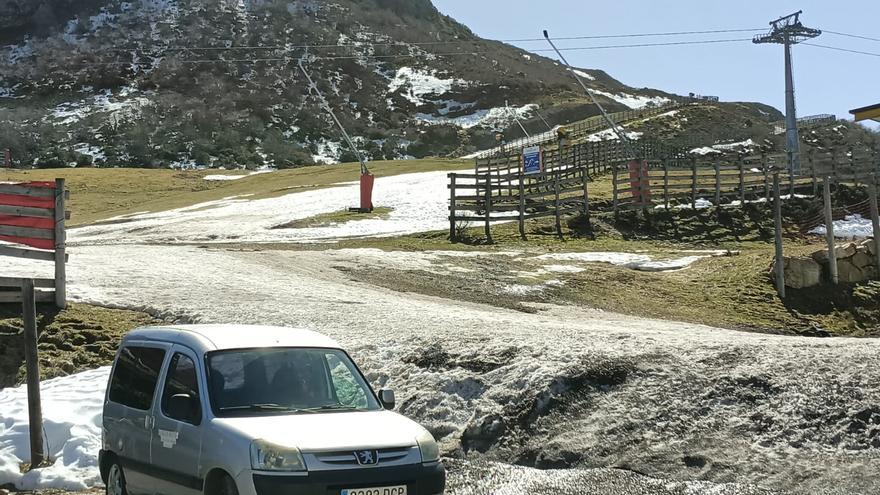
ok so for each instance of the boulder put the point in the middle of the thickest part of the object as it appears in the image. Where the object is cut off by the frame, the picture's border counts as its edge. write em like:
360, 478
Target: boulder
846, 250
802, 272
849, 272
866, 263
868, 245
842, 251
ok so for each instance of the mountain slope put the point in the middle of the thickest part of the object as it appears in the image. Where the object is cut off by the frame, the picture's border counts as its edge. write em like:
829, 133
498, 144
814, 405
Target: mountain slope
159, 82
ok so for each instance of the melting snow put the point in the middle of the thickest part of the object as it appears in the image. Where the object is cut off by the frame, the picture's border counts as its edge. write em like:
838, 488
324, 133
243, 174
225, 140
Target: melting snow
94, 151
851, 227
72, 419
220, 177
640, 262
718, 148
585, 75
495, 118
418, 203
417, 84
635, 102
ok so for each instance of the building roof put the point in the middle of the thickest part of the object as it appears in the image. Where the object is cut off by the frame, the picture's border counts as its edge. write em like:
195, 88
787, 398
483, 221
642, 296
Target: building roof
204, 338
871, 112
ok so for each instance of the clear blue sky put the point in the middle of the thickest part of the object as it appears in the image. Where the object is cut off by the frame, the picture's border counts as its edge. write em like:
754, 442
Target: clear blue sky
825, 81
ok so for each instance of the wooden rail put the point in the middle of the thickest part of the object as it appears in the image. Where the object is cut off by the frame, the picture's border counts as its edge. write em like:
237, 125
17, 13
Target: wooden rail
32, 226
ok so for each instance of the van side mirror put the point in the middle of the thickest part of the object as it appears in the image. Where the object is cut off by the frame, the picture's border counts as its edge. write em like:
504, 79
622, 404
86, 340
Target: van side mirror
184, 407
386, 397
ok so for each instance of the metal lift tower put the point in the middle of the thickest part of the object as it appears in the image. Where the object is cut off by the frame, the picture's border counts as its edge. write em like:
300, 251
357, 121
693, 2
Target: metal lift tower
789, 31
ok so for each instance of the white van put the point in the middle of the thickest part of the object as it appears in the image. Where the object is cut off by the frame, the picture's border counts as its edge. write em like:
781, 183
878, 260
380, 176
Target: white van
244, 410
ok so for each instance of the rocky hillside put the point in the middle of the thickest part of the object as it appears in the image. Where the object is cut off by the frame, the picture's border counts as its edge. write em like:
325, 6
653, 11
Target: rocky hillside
215, 82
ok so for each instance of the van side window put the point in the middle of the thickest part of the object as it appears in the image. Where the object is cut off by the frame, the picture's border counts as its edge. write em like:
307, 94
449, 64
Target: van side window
135, 376
182, 379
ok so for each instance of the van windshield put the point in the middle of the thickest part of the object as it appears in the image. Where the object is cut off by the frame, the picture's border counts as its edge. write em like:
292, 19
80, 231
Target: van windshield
286, 380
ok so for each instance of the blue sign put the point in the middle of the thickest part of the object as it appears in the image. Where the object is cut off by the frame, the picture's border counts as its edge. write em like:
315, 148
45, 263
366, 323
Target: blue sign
532, 160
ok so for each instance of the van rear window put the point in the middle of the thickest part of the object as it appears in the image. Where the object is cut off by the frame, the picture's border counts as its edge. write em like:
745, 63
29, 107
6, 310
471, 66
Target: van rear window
135, 376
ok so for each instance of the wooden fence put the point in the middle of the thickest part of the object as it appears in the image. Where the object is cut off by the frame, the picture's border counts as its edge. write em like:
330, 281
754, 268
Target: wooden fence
576, 131
501, 191
32, 226
516, 197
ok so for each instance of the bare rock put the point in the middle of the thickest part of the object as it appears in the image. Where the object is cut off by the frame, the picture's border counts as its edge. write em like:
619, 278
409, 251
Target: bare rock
849, 272
802, 272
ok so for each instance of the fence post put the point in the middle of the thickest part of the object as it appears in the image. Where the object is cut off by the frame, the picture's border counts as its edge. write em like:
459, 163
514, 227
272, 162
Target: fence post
742, 187
813, 172
717, 184
766, 168
452, 233
694, 184
585, 178
614, 187
556, 202
522, 207
488, 207
829, 231
665, 185
875, 221
60, 247
779, 265
32, 364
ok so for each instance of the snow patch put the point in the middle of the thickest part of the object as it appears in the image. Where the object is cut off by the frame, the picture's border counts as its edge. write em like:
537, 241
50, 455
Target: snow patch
94, 151
851, 227
635, 102
495, 118
585, 75
720, 148
640, 262
72, 408
417, 84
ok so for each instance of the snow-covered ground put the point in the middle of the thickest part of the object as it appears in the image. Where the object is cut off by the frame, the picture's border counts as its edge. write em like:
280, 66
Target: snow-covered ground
72, 424
851, 227
768, 409
563, 386
418, 203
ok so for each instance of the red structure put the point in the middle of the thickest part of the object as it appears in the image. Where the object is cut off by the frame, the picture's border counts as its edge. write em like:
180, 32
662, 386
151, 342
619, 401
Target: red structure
640, 181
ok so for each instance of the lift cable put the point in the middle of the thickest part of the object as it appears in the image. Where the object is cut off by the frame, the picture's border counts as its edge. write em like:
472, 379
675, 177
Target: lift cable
872, 54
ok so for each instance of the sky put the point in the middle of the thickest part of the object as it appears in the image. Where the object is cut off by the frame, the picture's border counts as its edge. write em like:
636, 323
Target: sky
826, 81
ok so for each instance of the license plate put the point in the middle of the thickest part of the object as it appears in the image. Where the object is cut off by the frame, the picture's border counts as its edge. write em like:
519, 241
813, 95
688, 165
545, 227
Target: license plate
380, 490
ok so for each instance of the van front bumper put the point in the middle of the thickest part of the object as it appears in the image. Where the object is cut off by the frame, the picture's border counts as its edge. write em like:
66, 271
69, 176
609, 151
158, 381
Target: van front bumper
420, 479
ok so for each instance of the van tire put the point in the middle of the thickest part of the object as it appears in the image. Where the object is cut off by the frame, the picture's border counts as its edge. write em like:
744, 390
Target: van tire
115, 479
227, 486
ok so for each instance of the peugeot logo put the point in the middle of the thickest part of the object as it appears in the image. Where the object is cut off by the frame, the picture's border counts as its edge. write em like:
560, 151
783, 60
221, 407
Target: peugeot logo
367, 457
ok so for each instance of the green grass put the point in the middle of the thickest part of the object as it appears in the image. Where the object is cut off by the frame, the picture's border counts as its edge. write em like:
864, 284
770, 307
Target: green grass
100, 193
78, 338
336, 217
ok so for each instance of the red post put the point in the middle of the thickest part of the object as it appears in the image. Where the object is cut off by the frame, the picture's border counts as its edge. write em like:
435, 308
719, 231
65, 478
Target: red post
367, 192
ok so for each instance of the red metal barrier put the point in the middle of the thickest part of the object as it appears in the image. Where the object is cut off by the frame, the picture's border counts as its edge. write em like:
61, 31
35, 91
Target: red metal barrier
367, 181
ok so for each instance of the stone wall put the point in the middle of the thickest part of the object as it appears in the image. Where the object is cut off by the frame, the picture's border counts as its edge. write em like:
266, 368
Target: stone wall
855, 263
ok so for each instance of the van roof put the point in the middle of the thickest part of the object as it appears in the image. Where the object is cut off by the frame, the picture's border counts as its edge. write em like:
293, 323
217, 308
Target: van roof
206, 338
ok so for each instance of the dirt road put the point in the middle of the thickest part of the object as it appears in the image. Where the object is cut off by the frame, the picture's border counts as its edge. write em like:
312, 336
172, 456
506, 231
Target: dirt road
564, 387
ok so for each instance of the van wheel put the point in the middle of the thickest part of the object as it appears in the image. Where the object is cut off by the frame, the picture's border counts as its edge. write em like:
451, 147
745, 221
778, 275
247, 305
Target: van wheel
227, 486
116, 480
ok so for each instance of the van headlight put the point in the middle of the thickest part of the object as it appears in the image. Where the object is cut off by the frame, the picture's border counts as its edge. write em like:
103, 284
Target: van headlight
269, 457
428, 447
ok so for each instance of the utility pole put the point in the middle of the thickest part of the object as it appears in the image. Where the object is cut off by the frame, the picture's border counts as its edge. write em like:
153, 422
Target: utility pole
627, 144
788, 31
366, 183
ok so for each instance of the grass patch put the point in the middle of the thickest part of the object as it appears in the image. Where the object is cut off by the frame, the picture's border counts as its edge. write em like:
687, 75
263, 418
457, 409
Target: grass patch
100, 193
335, 217
78, 338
